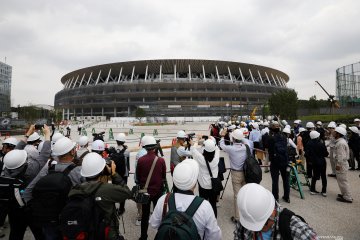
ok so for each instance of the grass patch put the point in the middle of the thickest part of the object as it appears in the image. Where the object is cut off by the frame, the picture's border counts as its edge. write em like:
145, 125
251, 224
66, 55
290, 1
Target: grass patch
155, 124
329, 118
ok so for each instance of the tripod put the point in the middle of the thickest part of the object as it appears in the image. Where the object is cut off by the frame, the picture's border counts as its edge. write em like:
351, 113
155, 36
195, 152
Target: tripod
227, 179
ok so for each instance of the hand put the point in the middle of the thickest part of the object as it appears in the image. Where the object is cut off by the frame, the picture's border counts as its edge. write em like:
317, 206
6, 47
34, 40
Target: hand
46, 131
191, 142
31, 130
223, 132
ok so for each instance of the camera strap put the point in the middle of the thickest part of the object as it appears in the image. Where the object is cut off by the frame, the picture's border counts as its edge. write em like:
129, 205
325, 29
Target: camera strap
150, 173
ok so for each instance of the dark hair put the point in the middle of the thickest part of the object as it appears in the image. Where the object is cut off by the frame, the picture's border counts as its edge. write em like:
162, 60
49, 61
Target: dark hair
209, 156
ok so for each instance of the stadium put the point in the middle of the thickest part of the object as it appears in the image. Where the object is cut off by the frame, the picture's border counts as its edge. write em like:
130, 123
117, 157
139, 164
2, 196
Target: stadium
168, 87
348, 85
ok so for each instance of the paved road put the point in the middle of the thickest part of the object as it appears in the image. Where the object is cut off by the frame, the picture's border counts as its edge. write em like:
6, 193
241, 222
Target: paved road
327, 216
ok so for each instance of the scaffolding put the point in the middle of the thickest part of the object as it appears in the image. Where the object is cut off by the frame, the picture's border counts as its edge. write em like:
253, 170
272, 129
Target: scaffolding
348, 85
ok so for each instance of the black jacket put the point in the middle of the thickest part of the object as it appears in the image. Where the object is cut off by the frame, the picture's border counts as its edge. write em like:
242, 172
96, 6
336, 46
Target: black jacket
354, 143
316, 152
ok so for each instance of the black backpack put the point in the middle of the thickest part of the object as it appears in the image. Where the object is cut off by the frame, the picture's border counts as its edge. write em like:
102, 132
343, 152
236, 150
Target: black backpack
50, 195
10, 189
119, 159
177, 225
82, 218
284, 223
281, 157
252, 169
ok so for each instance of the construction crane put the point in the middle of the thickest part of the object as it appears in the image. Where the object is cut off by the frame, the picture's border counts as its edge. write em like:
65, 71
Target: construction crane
331, 99
252, 114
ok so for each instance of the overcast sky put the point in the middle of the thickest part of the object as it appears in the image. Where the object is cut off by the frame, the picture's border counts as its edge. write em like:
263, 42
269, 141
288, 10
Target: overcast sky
43, 39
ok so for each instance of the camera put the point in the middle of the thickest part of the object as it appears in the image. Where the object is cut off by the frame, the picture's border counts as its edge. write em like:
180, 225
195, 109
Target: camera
98, 136
205, 137
190, 136
38, 126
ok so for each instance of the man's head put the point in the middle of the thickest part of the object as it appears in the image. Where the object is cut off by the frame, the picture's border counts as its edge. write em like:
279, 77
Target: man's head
186, 174
83, 141
34, 139
92, 166
15, 159
64, 148
339, 132
256, 207
331, 126
237, 135
9, 144
310, 126
149, 143
297, 122
120, 139
181, 137
98, 147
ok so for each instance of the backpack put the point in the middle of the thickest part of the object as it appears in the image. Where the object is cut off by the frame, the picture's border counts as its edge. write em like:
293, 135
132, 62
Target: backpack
50, 195
178, 225
284, 223
10, 189
75, 216
120, 161
280, 151
252, 169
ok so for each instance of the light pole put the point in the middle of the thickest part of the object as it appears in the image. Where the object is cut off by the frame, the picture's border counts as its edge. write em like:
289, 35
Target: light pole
227, 109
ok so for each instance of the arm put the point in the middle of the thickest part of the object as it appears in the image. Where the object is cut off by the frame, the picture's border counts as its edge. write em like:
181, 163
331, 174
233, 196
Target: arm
197, 156
156, 216
223, 146
291, 142
212, 229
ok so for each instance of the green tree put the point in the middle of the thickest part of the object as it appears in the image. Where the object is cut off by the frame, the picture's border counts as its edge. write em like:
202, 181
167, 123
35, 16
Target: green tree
140, 113
284, 103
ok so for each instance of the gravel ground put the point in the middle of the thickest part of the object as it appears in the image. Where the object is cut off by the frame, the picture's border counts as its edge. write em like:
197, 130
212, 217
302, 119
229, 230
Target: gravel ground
330, 219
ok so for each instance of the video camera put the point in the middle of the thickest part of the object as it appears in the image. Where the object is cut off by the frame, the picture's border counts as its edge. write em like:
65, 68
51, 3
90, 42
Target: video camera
98, 136
189, 137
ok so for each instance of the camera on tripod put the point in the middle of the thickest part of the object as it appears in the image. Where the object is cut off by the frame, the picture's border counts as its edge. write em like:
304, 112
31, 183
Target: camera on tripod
189, 137
98, 136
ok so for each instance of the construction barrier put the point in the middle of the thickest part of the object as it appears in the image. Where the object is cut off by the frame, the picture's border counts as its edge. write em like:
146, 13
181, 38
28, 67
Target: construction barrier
111, 134
83, 132
131, 131
155, 132
93, 130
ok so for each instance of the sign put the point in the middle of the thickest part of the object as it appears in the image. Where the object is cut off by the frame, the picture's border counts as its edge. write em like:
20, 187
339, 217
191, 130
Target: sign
174, 106
144, 106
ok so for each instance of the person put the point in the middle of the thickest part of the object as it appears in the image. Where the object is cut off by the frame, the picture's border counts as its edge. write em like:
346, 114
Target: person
342, 165
182, 146
300, 145
320, 129
215, 132
316, 153
297, 126
93, 167
210, 155
290, 145
83, 150
32, 143
80, 126
19, 165
305, 138
265, 142
357, 123
156, 182
331, 144
237, 157
261, 217
185, 178
279, 159
68, 130
255, 136
354, 145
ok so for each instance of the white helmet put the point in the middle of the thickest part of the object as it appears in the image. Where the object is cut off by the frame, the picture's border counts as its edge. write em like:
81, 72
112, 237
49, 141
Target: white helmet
92, 165
266, 124
181, 134
297, 121
148, 141
314, 134
98, 145
354, 129
284, 122
255, 125
319, 123
341, 130
286, 130
63, 146
121, 137
302, 129
310, 125
264, 131
231, 127
15, 159
33, 137
209, 145
83, 140
288, 126
56, 137
11, 141
40, 146
186, 174
237, 134
245, 131
356, 120
331, 125
343, 126
256, 205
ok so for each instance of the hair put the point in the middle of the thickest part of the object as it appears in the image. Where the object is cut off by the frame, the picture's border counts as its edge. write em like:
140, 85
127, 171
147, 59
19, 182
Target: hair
120, 142
209, 156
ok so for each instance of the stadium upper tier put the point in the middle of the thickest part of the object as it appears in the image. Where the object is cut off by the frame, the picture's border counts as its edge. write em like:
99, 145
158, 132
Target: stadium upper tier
168, 87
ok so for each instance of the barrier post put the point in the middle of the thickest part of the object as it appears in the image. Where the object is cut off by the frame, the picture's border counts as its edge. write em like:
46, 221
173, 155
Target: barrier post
131, 131
155, 132
111, 134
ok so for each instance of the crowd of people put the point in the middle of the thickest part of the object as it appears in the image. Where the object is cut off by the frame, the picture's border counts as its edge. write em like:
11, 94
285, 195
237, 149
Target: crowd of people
52, 176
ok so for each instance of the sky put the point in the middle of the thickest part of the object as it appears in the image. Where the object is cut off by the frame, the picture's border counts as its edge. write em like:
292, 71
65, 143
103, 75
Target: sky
45, 39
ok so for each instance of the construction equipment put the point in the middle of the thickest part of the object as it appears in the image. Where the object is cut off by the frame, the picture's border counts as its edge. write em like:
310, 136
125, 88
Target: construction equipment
252, 114
331, 99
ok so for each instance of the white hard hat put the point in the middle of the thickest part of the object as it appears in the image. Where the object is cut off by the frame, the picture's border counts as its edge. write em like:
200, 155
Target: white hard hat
231, 127
356, 120
288, 126
269, 118
33, 137
255, 125
11, 141
148, 141
310, 125
302, 129
256, 205
319, 123
286, 130
314, 134
229, 122
92, 165
63, 146
245, 131
186, 174
40, 146
297, 121
83, 140
266, 124
264, 131
209, 145
56, 137
284, 122
343, 126
238, 134
354, 129
331, 125
341, 130
181, 134
98, 145
121, 137
15, 159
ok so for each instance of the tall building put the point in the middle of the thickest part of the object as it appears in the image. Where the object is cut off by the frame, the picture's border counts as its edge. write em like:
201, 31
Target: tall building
5, 87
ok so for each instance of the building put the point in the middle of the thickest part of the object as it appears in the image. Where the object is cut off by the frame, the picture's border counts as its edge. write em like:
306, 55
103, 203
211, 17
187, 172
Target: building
5, 87
168, 87
348, 85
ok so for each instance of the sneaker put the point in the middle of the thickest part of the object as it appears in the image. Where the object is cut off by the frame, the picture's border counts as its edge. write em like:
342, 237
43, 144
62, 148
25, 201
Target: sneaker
324, 194
352, 169
341, 199
138, 222
332, 175
286, 199
340, 195
314, 192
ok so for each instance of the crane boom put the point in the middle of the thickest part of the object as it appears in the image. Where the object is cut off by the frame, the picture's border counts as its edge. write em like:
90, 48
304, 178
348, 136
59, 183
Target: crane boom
324, 89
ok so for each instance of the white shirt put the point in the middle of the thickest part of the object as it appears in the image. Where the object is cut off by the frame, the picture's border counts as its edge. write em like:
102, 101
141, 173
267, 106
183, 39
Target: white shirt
291, 143
255, 135
204, 217
204, 175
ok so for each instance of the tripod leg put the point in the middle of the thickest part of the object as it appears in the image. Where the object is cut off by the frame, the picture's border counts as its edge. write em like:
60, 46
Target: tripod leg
227, 179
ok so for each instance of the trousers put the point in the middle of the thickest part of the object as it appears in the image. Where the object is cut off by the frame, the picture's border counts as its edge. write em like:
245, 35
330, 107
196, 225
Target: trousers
275, 171
209, 195
238, 180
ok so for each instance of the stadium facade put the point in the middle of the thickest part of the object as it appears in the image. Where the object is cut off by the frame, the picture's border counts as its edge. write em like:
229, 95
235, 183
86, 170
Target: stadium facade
348, 85
168, 87
5, 87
